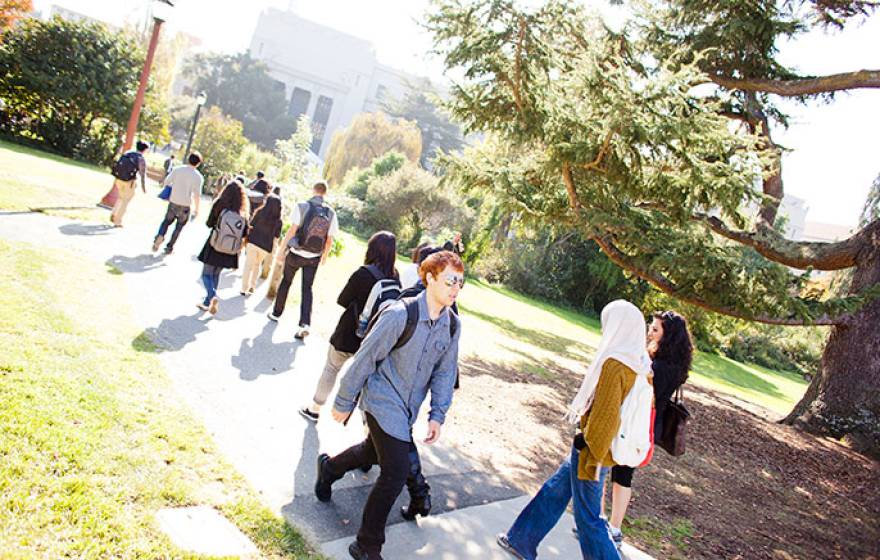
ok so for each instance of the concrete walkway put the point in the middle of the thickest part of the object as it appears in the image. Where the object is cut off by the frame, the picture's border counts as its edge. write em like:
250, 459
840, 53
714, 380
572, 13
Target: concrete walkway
246, 376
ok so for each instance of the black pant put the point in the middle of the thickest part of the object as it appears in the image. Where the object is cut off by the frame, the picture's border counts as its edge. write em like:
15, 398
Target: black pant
292, 263
393, 458
177, 213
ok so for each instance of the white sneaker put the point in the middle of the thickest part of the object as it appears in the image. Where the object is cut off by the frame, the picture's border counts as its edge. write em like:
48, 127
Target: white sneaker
272, 317
302, 332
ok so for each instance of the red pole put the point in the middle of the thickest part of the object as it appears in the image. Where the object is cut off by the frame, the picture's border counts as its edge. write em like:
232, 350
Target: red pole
110, 198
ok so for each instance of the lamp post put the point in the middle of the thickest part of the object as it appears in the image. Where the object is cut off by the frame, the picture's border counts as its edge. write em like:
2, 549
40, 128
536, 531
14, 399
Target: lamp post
159, 17
201, 98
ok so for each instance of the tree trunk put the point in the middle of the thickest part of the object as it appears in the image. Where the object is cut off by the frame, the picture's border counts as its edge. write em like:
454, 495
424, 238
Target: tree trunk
843, 399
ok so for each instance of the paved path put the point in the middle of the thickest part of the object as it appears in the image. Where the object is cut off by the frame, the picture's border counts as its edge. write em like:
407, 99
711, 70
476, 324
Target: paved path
246, 376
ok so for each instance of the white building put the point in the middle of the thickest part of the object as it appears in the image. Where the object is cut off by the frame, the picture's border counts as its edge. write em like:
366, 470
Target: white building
326, 74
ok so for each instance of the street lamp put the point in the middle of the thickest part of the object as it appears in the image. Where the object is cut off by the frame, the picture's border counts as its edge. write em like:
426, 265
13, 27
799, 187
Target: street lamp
200, 100
160, 15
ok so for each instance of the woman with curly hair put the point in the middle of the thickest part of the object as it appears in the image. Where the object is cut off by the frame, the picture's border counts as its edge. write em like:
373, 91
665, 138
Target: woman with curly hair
671, 352
232, 199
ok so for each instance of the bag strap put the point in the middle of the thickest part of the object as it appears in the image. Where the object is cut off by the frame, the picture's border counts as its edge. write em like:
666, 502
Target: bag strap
679, 394
375, 271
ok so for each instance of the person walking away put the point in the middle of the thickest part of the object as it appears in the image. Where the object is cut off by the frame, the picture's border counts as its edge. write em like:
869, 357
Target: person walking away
183, 203
409, 274
259, 183
167, 166
264, 232
306, 246
671, 352
412, 347
455, 245
620, 358
125, 172
378, 266
229, 227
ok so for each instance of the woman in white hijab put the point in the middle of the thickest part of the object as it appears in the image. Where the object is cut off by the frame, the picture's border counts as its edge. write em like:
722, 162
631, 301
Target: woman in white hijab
596, 407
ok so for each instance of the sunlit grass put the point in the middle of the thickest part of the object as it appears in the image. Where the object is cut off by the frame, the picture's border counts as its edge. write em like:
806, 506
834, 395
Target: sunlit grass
93, 440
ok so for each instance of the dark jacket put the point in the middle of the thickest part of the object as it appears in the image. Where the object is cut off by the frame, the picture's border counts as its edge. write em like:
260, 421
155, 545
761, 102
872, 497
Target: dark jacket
208, 254
666, 383
353, 298
264, 231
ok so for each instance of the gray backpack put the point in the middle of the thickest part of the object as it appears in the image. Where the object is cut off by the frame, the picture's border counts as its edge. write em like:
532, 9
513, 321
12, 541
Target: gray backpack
227, 235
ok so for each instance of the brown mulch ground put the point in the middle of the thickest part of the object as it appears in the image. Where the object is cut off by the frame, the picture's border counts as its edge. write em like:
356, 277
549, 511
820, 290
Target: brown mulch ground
746, 488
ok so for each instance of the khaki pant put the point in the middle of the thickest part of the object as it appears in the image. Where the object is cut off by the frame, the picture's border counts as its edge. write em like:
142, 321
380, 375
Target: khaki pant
335, 361
126, 193
253, 263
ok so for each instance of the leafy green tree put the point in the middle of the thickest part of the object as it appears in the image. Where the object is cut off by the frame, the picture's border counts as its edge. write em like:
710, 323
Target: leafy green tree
220, 140
410, 202
242, 88
607, 133
68, 85
357, 181
369, 136
438, 132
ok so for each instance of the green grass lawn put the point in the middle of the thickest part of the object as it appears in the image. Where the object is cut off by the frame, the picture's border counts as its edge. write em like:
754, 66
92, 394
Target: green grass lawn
92, 442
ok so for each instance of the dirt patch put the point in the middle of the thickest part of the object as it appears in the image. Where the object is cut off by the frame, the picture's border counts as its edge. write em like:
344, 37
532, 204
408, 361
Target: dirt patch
747, 487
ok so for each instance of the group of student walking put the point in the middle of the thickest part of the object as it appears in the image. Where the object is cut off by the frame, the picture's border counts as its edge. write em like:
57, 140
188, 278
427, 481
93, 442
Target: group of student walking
399, 333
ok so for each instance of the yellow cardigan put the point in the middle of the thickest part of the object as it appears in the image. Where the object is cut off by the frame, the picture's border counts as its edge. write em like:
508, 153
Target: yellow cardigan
601, 422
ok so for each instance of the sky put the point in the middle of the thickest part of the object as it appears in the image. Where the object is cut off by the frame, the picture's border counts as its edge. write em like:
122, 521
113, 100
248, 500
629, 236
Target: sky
834, 149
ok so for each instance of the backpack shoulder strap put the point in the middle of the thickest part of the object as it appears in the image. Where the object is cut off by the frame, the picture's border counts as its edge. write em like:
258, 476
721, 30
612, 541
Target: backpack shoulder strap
453, 323
412, 319
374, 270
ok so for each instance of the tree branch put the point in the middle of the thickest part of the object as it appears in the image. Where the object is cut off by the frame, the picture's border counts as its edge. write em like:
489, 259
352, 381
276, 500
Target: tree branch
573, 201
797, 254
596, 163
804, 86
664, 284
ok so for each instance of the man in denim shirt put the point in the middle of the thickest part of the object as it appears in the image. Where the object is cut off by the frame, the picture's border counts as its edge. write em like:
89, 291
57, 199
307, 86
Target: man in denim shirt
393, 383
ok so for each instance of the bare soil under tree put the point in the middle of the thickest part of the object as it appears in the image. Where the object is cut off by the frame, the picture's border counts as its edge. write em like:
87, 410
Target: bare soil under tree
748, 486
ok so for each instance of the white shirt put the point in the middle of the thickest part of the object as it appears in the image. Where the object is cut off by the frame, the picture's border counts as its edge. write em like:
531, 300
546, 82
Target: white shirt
409, 275
297, 218
185, 181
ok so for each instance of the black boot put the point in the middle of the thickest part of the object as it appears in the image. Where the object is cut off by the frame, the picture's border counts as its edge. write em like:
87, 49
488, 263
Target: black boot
417, 506
325, 480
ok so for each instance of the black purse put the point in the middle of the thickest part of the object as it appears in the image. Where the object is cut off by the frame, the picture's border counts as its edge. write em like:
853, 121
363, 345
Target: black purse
675, 421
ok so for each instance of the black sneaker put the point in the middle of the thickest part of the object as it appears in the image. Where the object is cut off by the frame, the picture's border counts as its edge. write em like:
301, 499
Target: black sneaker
324, 482
307, 413
358, 553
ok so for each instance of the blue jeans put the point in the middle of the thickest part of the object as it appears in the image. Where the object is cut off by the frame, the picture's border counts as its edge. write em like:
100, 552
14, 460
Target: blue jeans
211, 280
177, 213
545, 509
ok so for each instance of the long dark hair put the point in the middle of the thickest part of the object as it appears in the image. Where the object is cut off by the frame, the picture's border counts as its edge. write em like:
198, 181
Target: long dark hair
269, 212
675, 347
382, 251
232, 198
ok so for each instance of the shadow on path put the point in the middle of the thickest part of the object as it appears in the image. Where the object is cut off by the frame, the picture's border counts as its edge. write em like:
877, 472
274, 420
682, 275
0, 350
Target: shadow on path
469, 484
86, 229
171, 334
140, 263
261, 356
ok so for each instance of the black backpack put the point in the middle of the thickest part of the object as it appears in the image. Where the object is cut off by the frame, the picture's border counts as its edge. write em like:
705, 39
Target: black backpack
412, 319
126, 167
312, 235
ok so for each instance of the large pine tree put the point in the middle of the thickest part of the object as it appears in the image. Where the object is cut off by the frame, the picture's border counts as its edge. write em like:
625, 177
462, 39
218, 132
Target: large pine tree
656, 143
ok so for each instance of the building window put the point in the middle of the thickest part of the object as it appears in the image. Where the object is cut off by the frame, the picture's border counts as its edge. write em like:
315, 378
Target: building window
381, 92
319, 121
299, 102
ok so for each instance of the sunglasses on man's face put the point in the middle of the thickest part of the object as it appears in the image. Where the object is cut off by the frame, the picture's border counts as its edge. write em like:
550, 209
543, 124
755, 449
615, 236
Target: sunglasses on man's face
453, 279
